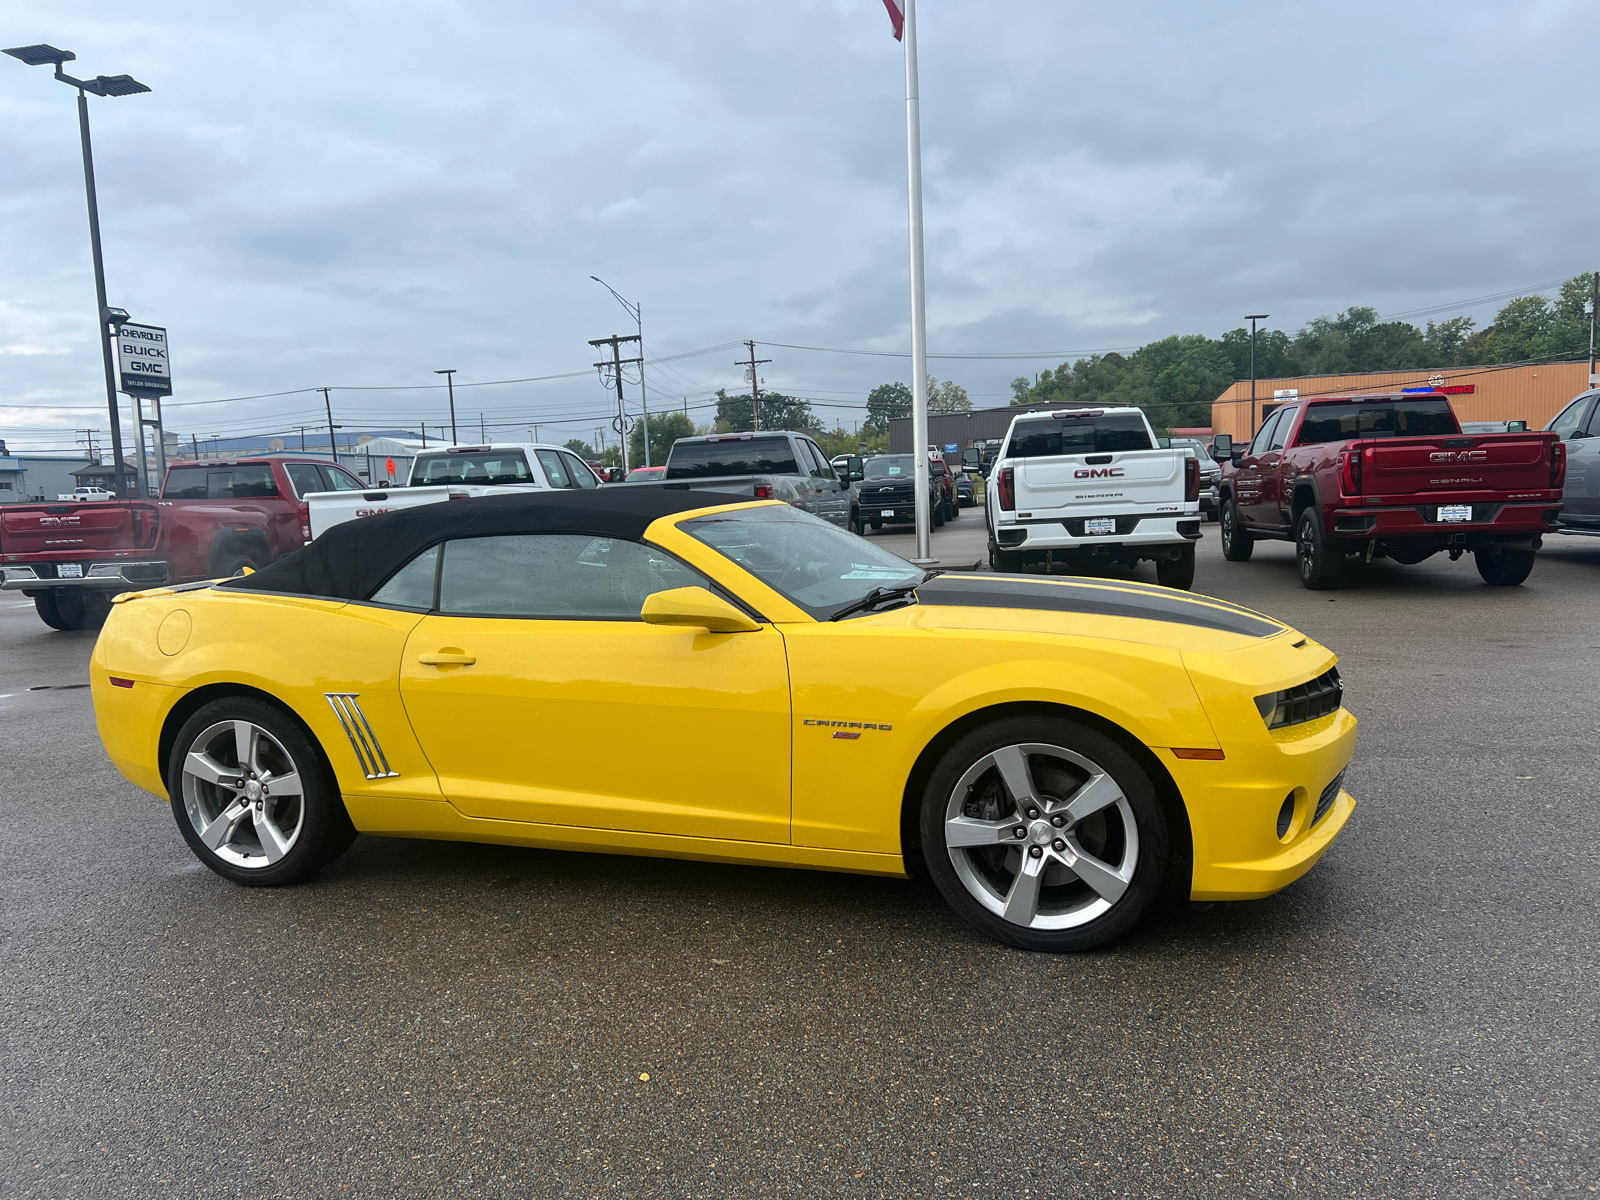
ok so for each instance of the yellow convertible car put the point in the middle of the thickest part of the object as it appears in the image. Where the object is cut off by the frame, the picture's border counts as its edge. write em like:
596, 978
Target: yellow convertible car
635, 672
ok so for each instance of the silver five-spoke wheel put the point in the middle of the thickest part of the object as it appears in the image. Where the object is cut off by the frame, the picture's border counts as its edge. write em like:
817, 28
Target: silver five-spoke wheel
242, 794
1041, 836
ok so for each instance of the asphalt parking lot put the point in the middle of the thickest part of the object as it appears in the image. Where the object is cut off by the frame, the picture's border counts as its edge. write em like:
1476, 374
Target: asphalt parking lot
1416, 1017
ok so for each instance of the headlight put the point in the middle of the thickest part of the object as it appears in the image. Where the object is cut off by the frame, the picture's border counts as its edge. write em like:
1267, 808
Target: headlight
1303, 702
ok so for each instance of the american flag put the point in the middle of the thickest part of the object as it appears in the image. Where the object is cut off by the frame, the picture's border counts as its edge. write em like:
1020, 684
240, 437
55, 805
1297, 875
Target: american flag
897, 16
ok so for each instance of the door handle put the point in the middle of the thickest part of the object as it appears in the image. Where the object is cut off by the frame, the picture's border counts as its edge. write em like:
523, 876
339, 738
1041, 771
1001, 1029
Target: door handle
446, 658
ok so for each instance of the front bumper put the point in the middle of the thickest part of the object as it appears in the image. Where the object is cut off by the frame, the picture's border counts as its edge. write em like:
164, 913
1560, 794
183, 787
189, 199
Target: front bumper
97, 577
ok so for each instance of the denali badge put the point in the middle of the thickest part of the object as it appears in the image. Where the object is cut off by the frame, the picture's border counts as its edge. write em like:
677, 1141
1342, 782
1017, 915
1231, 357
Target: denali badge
1446, 456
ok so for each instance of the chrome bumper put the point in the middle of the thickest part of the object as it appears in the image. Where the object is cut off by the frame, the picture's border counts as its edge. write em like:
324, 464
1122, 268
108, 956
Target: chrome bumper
113, 577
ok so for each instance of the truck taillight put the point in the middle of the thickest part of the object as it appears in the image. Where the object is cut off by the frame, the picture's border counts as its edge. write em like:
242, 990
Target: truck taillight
1350, 473
1191, 479
1007, 489
1558, 464
305, 521
763, 491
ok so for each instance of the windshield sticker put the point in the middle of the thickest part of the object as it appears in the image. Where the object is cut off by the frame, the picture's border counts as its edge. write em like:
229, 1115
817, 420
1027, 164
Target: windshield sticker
894, 470
861, 572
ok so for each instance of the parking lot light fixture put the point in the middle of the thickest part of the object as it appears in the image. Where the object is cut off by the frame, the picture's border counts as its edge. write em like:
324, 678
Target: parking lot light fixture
450, 382
1253, 318
100, 85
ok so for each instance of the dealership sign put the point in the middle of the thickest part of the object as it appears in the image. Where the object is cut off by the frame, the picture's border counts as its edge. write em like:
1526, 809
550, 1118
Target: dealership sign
142, 360
1454, 389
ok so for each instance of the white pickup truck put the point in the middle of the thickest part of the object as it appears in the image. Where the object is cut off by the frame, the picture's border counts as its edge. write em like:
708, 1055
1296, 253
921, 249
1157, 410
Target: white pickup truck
456, 473
85, 493
1084, 486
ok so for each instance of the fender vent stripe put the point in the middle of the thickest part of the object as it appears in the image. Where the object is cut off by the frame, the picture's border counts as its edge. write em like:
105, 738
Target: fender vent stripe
362, 740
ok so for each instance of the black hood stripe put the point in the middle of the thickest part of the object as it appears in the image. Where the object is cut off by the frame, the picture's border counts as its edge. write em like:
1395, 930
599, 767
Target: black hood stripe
1105, 600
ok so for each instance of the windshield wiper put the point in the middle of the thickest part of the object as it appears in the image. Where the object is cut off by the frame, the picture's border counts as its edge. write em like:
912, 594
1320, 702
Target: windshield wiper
882, 595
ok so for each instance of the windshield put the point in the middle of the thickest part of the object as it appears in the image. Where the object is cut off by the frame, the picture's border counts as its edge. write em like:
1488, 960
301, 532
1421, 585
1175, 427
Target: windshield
818, 566
732, 456
889, 466
1104, 434
479, 467
1376, 418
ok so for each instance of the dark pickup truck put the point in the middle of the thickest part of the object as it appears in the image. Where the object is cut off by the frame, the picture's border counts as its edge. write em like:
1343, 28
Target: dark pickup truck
1389, 475
764, 466
212, 519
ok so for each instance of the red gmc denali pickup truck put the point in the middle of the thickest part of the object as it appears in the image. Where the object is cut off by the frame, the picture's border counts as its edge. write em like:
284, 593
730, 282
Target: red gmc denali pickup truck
1389, 475
212, 519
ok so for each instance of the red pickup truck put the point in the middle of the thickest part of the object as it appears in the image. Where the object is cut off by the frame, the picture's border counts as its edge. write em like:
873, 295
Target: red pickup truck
213, 518
1389, 475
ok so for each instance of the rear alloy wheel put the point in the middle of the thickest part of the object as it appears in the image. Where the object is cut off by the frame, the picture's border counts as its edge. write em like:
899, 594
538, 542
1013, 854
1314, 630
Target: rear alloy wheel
1044, 834
1319, 557
230, 565
1177, 572
252, 796
1237, 545
1503, 568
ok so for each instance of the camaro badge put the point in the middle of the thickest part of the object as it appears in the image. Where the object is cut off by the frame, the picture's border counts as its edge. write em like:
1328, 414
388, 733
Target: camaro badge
849, 730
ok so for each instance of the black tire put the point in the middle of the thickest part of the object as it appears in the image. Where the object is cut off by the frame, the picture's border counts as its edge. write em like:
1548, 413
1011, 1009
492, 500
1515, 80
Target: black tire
1125, 840
938, 515
73, 611
1503, 568
1237, 544
856, 525
45, 605
1319, 557
1007, 562
320, 828
877, 524
229, 565
1177, 573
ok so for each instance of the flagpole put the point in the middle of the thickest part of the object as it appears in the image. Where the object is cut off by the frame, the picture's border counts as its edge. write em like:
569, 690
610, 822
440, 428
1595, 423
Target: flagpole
919, 314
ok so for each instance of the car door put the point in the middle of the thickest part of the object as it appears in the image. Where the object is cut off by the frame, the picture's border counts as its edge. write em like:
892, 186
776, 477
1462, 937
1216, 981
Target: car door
539, 695
1579, 428
1249, 478
1276, 490
831, 500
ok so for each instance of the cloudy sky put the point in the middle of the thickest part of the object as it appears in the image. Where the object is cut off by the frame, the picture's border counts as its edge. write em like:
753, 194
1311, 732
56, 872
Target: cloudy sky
356, 193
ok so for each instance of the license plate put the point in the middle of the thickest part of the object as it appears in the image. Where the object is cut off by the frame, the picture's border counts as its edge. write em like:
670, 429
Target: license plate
69, 570
1098, 525
888, 512
1455, 512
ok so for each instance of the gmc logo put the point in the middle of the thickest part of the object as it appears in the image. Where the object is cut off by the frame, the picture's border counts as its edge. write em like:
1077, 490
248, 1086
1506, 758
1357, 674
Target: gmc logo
1449, 456
1099, 473
59, 520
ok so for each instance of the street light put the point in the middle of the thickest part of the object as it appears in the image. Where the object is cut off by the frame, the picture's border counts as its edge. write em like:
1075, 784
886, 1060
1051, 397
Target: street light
100, 85
636, 311
450, 382
1253, 318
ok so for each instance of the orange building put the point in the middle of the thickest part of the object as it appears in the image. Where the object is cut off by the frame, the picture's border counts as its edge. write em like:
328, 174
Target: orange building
1531, 392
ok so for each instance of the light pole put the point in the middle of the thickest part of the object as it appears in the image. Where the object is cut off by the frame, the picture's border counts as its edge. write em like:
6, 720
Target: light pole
100, 85
636, 311
450, 382
1253, 318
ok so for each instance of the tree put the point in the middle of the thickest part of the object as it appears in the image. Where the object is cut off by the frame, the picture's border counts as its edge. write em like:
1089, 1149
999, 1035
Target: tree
665, 428
947, 397
884, 402
778, 411
582, 449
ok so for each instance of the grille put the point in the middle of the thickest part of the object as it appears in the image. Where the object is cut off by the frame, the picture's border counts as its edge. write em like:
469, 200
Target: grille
1329, 795
1074, 525
1303, 702
362, 740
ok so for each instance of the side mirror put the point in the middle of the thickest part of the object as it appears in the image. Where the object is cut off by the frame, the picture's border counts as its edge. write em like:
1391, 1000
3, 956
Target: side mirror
1222, 446
695, 608
971, 459
1516, 427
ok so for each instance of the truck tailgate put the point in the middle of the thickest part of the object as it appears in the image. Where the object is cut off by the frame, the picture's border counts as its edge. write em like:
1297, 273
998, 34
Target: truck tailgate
327, 509
77, 527
1464, 464
1130, 481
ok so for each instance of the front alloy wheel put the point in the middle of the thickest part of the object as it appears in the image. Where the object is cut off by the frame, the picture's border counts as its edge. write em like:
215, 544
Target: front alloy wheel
1052, 842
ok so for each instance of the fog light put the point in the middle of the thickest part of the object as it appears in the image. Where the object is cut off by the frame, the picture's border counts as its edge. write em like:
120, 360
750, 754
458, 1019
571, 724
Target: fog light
1286, 817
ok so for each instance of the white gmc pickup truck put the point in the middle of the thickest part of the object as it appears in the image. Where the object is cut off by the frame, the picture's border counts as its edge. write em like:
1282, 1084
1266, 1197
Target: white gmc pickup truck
456, 472
1085, 486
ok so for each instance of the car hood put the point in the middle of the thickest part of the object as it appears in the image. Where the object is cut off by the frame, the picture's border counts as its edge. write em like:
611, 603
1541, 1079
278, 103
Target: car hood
1087, 607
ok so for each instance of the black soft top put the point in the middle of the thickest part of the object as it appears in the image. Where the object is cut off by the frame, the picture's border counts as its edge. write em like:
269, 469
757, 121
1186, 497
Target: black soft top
351, 560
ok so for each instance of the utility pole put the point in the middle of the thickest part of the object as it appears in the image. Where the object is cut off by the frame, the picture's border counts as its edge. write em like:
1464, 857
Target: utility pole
195, 442
1594, 303
450, 382
333, 449
620, 423
483, 432
755, 390
1253, 318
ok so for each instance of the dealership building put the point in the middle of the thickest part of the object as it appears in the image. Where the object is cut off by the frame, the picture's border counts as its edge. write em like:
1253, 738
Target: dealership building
1531, 392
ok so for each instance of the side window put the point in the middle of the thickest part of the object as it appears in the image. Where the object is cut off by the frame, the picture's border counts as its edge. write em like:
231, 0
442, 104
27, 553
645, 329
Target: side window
305, 477
251, 482
578, 471
560, 576
819, 465
412, 585
1280, 431
1571, 418
341, 480
554, 468
1258, 444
